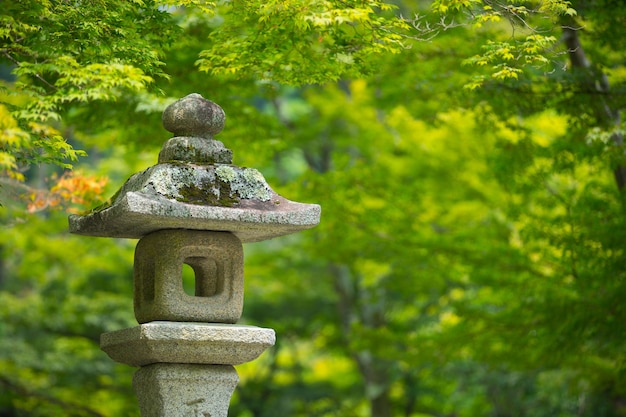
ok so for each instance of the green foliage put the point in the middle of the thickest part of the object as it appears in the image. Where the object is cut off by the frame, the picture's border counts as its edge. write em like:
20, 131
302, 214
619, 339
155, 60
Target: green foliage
470, 256
301, 42
65, 56
53, 311
531, 43
509, 59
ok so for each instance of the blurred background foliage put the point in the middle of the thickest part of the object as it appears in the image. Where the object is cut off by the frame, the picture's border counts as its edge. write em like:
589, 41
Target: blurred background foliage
466, 154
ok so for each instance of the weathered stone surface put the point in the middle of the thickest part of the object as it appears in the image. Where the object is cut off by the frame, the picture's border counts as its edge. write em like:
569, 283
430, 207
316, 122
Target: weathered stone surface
172, 390
196, 150
193, 115
195, 343
217, 260
199, 197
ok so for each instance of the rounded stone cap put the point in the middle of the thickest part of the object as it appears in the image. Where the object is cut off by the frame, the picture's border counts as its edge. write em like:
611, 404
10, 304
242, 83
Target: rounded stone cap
194, 116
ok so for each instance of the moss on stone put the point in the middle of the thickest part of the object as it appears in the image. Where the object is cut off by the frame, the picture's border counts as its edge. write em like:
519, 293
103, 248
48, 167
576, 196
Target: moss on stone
205, 195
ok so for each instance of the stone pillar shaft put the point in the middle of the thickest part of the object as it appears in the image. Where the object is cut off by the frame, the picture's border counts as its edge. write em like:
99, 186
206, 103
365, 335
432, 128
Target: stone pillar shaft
168, 389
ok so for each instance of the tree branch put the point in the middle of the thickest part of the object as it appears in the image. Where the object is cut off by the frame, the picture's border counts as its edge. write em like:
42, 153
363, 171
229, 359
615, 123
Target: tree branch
18, 63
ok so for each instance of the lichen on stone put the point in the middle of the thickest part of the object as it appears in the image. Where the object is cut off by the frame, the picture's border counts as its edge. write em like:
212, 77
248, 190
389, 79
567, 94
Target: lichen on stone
168, 181
246, 183
252, 185
219, 185
251, 175
225, 173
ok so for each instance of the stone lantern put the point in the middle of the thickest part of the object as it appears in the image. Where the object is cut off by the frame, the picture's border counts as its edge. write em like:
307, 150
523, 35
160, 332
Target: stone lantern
195, 208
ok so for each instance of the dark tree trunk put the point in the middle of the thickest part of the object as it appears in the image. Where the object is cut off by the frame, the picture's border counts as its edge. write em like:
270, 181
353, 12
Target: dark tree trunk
596, 84
354, 306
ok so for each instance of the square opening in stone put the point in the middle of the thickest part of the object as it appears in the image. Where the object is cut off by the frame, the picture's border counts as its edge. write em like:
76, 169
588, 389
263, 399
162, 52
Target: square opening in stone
203, 277
216, 263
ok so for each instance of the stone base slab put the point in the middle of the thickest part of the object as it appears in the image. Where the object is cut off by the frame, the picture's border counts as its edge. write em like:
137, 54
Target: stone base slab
170, 390
187, 343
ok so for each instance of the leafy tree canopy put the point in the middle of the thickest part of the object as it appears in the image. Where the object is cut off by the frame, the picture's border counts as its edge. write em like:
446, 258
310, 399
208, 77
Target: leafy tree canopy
466, 154
64, 54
